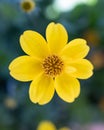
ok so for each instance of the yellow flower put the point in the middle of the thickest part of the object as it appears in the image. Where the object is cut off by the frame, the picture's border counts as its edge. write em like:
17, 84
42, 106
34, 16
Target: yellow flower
46, 125
27, 5
52, 64
64, 128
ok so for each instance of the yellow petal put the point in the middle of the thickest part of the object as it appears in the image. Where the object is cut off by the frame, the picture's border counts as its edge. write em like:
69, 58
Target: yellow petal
46, 125
34, 44
25, 68
56, 36
41, 89
67, 87
83, 69
76, 89
76, 49
69, 69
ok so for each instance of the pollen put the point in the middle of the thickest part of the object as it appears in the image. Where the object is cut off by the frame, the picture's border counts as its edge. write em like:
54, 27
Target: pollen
52, 65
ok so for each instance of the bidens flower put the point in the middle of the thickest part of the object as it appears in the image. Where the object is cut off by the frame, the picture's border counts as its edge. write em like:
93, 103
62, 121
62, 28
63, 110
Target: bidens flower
27, 5
46, 125
52, 64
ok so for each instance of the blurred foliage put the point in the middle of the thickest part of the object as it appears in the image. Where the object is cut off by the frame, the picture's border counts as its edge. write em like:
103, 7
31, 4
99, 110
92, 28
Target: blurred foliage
16, 110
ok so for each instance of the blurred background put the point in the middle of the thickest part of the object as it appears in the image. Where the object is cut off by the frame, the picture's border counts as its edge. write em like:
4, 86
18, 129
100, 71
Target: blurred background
82, 19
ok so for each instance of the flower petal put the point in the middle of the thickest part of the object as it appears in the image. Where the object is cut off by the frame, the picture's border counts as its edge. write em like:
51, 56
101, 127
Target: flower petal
76, 49
83, 69
41, 89
25, 68
34, 44
56, 36
68, 88
76, 89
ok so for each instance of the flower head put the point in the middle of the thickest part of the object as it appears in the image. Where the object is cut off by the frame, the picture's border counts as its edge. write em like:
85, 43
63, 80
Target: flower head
27, 5
46, 125
52, 64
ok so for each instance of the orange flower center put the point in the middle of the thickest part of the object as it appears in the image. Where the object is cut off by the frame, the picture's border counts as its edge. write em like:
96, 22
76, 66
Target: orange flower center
52, 65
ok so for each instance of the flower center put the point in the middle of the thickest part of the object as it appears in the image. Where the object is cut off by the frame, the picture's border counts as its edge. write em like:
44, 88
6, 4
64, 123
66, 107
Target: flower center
52, 65
26, 5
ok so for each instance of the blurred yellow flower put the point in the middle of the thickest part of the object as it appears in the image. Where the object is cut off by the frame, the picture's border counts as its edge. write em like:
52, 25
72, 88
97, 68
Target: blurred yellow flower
52, 64
46, 125
27, 5
64, 128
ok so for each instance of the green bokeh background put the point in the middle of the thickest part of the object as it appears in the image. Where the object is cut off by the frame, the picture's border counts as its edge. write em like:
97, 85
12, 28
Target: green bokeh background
22, 114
